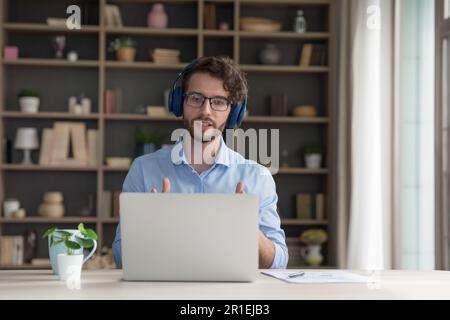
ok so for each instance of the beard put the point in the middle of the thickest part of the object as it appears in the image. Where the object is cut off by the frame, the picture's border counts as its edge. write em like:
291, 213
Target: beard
204, 133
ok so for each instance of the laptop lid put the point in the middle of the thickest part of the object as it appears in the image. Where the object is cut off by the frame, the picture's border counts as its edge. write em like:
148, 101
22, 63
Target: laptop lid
189, 237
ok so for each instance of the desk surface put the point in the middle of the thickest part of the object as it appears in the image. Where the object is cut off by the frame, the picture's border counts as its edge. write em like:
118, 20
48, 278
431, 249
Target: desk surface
107, 284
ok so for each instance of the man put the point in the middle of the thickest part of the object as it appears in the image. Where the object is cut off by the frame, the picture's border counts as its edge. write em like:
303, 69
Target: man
212, 87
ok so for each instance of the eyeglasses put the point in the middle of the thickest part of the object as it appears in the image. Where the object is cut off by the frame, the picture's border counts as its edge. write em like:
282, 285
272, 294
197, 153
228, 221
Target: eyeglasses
196, 100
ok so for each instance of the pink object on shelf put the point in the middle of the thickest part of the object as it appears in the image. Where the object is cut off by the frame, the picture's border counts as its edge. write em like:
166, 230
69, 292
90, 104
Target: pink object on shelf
11, 53
157, 17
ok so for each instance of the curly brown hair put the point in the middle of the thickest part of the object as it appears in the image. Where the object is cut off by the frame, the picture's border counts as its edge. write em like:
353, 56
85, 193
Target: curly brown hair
234, 81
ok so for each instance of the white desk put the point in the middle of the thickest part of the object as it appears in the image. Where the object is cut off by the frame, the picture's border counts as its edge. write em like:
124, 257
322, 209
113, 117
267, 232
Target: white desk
42, 284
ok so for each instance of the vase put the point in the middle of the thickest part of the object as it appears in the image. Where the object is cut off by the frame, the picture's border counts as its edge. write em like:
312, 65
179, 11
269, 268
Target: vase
126, 54
313, 161
157, 17
312, 255
270, 55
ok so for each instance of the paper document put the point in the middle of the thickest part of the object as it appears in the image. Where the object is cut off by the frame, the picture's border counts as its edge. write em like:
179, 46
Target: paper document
335, 276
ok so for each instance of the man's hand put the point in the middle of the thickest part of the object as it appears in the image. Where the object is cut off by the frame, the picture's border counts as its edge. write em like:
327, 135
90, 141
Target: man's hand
240, 187
165, 188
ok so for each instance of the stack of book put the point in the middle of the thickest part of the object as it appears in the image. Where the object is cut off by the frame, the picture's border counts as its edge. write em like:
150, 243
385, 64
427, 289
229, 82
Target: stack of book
165, 56
113, 18
210, 16
113, 100
11, 250
313, 55
69, 138
110, 204
310, 206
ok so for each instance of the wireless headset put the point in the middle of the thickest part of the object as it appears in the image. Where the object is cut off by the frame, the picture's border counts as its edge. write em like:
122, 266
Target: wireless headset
176, 97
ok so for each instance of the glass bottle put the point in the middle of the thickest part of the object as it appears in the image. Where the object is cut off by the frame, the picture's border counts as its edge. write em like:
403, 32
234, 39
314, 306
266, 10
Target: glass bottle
300, 22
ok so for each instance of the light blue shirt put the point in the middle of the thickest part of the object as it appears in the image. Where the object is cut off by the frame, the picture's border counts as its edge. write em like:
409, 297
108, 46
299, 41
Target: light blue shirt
227, 171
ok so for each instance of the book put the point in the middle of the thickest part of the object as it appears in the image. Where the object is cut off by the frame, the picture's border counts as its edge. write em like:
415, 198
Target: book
106, 204
303, 206
116, 203
93, 147
60, 146
210, 16
11, 250
113, 17
78, 138
310, 206
46, 147
320, 206
305, 58
318, 55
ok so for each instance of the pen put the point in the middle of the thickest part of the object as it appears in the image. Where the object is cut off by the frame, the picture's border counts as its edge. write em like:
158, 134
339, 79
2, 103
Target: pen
296, 274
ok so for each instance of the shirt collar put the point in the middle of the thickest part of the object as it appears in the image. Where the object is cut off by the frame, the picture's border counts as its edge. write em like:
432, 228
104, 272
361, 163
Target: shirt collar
223, 157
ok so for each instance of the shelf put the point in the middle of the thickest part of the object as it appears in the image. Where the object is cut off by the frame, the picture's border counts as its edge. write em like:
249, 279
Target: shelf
35, 167
109, 220
285, 35
50, 220
280, 171
298, 222
25, 267
48, 115
144, 65
249, 119
287, 119
139, 117
41, 27
218, 33
302, 171
287, 2
283, 69
52, 63
185, 32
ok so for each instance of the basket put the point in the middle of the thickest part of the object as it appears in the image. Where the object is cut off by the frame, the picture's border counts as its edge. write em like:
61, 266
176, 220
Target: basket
259, 25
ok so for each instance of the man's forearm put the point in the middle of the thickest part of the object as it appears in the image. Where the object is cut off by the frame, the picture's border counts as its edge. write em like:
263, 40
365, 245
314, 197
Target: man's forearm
266, 251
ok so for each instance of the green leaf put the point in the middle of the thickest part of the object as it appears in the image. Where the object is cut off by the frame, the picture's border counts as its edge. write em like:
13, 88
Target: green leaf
81, 228
49, 232
55, 242
72, 245
89, 233
64, 234
86, 243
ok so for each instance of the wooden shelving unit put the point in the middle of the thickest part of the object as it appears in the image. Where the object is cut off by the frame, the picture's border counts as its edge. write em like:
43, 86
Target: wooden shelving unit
97, 70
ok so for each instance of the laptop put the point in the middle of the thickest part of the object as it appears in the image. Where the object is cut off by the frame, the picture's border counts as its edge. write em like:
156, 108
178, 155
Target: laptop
189, 237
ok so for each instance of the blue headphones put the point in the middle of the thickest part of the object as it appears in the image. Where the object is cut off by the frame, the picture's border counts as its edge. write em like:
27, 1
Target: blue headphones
176, 97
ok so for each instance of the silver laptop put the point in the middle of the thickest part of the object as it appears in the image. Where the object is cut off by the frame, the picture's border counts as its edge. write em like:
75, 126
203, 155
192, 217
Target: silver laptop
189, 237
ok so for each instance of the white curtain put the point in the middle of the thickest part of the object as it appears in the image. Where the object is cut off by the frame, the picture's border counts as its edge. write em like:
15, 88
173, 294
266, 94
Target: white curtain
369, 240
386, 98
414, 61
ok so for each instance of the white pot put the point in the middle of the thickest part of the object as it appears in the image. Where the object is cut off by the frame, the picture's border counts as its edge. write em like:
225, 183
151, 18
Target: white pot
69, 266
29, 104
313, 161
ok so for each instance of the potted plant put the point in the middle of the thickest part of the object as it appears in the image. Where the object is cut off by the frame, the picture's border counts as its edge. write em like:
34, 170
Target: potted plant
66, 249
313, 238
29, 101
313, 156
147, 141
125, 48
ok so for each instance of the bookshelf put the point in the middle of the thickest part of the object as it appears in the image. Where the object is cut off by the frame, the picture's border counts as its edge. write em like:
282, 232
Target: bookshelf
96, 70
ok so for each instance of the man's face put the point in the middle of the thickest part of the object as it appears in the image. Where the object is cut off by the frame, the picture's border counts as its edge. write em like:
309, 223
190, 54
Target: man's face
208, 86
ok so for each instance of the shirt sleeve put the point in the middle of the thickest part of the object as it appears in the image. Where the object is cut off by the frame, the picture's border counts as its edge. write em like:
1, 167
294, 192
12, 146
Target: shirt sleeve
269, 221
134, 182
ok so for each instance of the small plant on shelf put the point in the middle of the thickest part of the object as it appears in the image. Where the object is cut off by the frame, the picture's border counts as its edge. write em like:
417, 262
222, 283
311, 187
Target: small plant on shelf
313, 156
29, 101
125, 48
